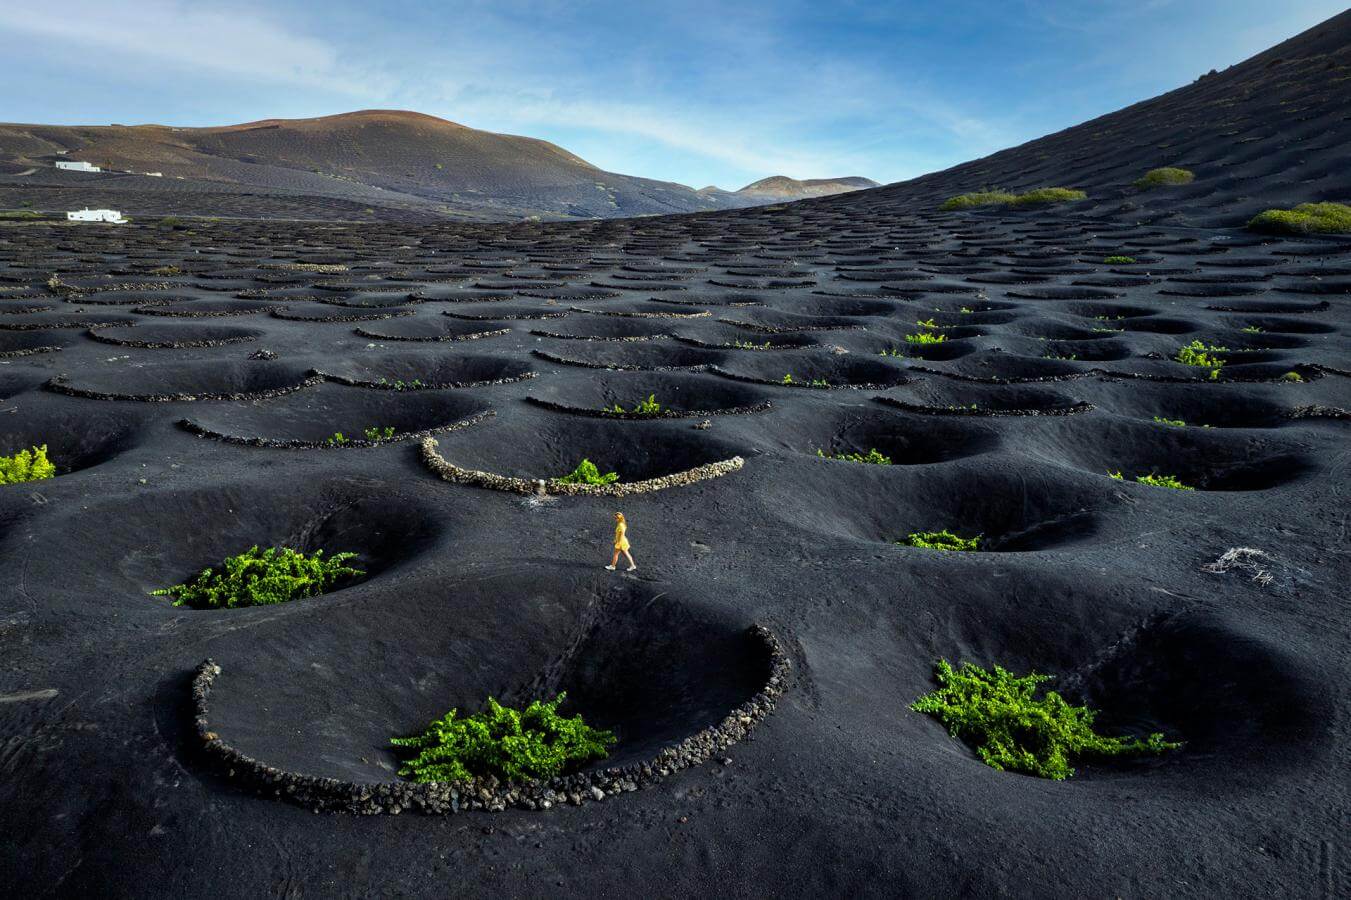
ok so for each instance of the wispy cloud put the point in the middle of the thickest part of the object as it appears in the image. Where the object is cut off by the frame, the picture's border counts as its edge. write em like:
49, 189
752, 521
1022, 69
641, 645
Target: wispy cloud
241, 42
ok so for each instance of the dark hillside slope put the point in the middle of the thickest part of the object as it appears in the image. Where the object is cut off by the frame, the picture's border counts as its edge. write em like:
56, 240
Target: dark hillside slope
376, 158
1270, 131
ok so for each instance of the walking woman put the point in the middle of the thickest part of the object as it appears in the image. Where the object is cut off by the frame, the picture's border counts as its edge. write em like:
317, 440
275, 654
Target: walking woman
621, 543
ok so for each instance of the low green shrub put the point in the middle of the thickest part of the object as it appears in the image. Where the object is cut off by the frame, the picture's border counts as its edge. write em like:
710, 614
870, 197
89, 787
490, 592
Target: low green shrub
1048, 195
1293, 377
337, 439
262, 577
1166, 176
1307, 218
504, 743
979, 198
873, 457
1119, 260
648, 407
815, 382
1206, 356
26, 465
749, 345
1004, 198
1164, 481
376, 433
19, 214
1176, 423
925, 337
587, 473
941, 540
1013, 730
401, 385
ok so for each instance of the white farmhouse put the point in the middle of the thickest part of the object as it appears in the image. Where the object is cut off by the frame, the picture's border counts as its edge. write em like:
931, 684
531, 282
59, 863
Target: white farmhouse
72, 166
96, 215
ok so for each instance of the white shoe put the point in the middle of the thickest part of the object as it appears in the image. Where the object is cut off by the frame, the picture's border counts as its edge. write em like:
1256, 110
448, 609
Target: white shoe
631, 568
610, 568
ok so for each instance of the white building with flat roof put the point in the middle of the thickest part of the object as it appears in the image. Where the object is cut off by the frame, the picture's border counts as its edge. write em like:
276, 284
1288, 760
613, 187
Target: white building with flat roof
95, 215
72, 166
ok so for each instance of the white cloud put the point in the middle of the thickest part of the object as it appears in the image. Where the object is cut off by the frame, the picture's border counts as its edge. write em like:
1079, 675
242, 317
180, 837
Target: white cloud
246, 44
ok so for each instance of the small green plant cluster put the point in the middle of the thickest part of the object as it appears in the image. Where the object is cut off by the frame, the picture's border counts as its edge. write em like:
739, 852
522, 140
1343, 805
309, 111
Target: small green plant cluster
1013, 730
1049, 195
873, 457
1252, 329
504, 743
977, 198
941, 540
1163, 481
647, 407
26, 465
1176, 423
815, 382
401, 385
1307, 218
374, 434
19, 214
1293, 377
1206, 356
261, 577
1119, 260
749, 345
1166, 176
925, 337
587, 473
1004, 198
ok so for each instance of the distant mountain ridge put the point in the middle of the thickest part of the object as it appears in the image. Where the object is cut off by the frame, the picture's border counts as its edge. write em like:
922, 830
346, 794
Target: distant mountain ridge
370, 158
784, 188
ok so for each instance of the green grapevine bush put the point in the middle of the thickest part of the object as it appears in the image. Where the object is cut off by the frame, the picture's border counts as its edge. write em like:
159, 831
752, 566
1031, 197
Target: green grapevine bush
26, 465
873, 456
503, 742
648, 407
259, 578
587, 473
940, 540
1013, 730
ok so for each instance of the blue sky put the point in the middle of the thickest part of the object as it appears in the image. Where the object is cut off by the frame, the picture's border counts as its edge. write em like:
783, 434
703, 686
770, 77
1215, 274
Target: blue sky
696, 92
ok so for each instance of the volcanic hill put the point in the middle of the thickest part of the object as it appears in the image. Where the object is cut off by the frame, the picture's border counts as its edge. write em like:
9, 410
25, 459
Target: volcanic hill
395, 164
781, 187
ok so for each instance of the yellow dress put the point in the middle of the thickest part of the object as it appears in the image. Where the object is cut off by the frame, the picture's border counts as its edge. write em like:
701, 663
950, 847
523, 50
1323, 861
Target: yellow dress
621, 542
